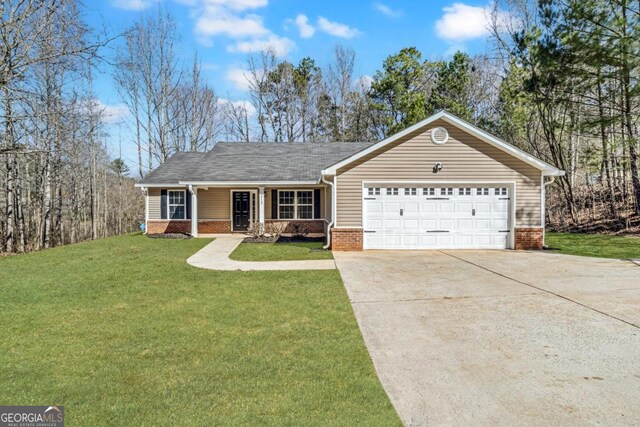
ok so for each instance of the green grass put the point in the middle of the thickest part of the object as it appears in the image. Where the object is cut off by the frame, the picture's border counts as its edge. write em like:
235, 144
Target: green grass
594, 245
280, 251
123, 332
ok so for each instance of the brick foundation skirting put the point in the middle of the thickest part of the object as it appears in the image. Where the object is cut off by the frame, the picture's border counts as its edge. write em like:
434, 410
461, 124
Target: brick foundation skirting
346, 239
213, 227
529, 238
315, 226
164, 226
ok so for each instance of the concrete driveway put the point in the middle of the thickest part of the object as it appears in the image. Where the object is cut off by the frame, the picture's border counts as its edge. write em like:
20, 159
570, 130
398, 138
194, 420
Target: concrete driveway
500, 337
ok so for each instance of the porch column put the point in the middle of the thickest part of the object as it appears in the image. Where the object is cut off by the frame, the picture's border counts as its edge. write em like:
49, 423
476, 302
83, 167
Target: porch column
261, 208
194, 210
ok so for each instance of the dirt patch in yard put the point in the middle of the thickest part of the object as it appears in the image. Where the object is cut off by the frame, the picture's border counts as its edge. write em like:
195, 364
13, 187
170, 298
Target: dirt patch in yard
282, 239
169, 236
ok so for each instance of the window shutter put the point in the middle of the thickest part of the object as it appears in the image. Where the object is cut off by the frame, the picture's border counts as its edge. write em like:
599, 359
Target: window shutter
163, 204
274, 204
187, 201
316, 203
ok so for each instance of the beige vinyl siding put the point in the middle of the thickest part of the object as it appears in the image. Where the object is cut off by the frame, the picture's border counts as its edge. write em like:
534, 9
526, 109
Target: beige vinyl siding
465, 158
327, 203
267, 203
214, 203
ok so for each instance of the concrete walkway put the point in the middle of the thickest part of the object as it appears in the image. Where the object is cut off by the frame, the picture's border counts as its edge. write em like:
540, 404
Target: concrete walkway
215, 256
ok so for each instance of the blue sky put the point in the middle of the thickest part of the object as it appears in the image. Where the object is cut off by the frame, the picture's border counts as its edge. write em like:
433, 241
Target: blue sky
225, 32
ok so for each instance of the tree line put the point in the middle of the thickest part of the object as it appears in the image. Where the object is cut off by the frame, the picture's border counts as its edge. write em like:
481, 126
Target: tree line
560, 80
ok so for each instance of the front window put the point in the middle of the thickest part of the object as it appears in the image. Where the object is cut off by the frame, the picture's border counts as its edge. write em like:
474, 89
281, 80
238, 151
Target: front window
177, 204
295, 204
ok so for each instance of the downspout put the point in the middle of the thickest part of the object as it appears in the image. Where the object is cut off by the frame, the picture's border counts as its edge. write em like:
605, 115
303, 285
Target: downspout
145, 190
333, 210
544, 207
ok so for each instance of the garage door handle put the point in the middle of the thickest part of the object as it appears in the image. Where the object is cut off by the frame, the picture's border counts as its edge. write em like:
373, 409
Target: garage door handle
437, 231
473, 212
369, 231
401, 211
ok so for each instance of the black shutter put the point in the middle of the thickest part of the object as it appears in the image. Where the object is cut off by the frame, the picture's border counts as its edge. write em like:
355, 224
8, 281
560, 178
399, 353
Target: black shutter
316, 203
187, 201
163, 204
274, 204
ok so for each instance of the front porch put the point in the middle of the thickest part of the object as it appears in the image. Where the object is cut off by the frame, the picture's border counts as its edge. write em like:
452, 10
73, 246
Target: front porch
202, 210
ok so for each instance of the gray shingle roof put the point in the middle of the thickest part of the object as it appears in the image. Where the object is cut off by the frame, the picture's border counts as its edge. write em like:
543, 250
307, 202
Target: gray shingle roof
255, 162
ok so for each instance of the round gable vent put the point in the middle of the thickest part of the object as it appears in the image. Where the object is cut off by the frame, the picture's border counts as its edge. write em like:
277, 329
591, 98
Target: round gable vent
439, 135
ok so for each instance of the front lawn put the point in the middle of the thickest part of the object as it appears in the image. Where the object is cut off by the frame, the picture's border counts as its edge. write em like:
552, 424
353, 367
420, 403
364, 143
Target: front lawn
123, 332
594, 245
280, 251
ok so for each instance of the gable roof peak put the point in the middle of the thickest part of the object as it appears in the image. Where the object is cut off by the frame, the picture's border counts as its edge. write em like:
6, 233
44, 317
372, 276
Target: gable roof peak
545, 168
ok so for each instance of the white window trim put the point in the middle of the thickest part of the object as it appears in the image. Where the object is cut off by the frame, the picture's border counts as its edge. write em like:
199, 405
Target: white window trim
295, 204
169, 204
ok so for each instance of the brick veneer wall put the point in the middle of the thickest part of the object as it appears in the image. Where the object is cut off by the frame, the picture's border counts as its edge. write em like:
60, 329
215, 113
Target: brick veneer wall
346, 239
529, 238
212, 227
164, 226
315, 226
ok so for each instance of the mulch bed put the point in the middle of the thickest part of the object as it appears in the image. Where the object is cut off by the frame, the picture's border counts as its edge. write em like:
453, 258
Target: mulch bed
282, 239
169, 236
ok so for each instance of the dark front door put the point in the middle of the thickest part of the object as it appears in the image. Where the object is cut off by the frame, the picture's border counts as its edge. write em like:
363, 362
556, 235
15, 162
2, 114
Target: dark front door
241, 207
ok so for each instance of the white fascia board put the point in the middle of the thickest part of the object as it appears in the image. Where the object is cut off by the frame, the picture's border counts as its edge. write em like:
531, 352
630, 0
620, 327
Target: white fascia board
174, 185
246, 183
546, 168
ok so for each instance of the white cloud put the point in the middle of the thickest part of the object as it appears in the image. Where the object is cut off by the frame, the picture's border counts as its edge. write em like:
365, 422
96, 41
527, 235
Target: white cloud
132, 4
364, 82
230, 19
386, 10
110, 114
240, 78
336, 29
239, 4
306, 29
115, 113
463, 22
216, 21
246, 105
280, 46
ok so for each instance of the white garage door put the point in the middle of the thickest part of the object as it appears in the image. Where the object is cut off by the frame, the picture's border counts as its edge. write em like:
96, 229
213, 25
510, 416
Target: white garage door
443, 217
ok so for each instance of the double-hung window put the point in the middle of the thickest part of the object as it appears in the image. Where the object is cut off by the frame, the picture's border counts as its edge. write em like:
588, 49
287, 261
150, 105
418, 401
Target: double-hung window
295, 204
177, 204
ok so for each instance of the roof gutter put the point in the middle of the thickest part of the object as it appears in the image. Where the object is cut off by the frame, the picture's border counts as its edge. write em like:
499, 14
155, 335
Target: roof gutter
553, 173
